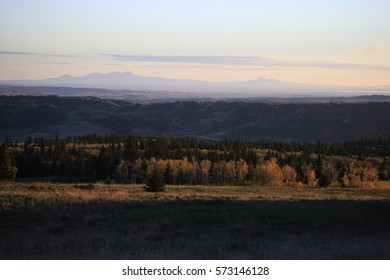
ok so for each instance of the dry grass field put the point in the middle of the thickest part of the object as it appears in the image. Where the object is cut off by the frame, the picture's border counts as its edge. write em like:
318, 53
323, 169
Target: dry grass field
82, 221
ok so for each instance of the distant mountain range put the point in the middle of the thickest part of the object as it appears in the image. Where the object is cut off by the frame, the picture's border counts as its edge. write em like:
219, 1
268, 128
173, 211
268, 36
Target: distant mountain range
252, 88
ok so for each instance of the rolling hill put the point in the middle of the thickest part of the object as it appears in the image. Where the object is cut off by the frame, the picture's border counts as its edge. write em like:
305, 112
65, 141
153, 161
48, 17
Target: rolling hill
24, 116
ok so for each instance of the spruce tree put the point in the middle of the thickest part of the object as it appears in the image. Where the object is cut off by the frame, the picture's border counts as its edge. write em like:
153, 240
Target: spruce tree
155, 181
7, 171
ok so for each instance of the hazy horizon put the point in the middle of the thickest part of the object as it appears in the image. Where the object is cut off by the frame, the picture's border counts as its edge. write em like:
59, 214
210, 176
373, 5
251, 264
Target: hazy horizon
323, 42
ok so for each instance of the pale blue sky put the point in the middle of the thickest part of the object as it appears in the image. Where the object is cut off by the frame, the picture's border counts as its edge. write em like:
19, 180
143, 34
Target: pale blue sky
331, 42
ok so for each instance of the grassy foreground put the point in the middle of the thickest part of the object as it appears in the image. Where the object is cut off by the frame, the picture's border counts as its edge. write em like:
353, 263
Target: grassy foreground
66, 221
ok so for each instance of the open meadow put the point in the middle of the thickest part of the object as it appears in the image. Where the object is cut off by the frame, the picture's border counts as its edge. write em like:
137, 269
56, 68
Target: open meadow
97, 221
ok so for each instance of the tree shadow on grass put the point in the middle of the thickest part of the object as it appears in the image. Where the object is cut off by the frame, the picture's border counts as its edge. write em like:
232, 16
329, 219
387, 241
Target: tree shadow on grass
195, 229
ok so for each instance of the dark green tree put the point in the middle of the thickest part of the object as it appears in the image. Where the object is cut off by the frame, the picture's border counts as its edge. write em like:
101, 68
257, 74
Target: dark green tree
155, 181
7, 171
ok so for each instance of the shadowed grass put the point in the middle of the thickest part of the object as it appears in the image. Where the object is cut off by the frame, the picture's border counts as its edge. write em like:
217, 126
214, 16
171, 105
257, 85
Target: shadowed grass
122, 222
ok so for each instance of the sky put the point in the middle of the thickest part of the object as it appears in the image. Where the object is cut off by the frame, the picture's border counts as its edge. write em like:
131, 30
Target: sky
335, 42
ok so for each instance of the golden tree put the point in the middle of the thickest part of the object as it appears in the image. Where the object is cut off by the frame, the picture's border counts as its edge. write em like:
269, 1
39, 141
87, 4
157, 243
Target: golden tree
269, 173
289, 174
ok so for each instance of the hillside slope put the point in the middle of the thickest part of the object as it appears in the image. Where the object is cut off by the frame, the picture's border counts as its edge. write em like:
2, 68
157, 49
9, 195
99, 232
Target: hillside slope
23, 116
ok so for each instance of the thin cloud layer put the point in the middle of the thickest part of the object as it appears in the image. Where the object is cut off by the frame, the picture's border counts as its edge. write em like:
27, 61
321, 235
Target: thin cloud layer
225, 60
246, 61
380, 48
250, 61
58, 63
35, 54
17, 53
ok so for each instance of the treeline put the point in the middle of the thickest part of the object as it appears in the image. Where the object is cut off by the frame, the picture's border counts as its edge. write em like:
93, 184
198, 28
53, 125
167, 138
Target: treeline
92, 158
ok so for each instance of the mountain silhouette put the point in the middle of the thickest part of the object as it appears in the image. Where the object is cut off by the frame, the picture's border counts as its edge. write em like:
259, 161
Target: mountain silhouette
257, 87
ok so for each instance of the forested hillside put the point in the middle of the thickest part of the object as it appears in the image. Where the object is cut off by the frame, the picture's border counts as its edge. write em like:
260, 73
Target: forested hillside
48, 116
115, 159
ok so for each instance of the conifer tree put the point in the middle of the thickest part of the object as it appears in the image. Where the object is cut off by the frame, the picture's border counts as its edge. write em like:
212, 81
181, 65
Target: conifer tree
7, 171
155, 181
